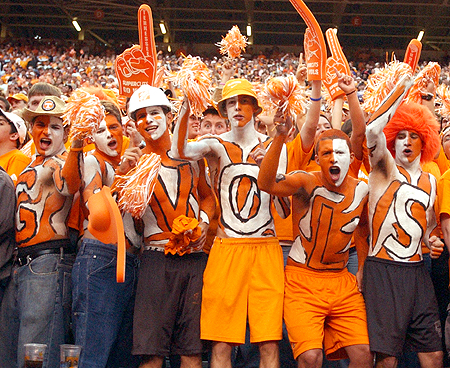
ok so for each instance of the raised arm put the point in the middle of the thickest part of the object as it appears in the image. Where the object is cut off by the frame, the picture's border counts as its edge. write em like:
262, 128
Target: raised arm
308, 131
269, 180
207, 205
347, 84
68, 180
379, 156
181, 148
362, 243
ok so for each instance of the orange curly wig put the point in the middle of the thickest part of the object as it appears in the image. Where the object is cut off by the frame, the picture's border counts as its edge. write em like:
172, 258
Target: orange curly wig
417, 118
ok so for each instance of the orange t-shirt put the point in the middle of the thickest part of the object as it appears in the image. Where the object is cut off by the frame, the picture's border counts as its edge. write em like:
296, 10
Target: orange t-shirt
14, 162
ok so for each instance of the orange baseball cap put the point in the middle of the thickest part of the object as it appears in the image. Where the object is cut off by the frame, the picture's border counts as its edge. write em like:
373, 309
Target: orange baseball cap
18, 97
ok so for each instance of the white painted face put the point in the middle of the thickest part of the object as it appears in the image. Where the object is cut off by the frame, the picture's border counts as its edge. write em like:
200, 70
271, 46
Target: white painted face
48, 135
103, 139
151, 122
334, 158
342, 158
408, 147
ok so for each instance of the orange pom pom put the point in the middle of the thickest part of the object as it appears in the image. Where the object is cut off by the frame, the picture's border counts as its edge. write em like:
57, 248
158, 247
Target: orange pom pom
84, 113
263, 99
419, 87
26, 149
443, 95
381, 83
136, 187
121, 100
194, 78
101, 93
233, 43
184, 231
161, 74
287, 94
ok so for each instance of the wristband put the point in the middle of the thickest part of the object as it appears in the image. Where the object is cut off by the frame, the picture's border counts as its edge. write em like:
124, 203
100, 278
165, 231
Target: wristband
315, 99
348, 94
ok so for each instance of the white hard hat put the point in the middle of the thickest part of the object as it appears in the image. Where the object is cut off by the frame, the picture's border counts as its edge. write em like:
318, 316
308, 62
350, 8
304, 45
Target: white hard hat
146, 96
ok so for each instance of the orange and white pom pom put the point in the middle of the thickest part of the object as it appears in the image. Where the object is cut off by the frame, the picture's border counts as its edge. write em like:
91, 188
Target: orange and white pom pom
382, 82
431, 73
443, 95
233, 43
26, 149
194, 78
102, 93
161, 74
136, 187
84, 113
259, 89
287, 94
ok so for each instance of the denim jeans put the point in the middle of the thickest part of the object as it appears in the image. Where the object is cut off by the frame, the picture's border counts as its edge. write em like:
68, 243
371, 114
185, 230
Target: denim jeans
9, 325
38, 310
103, 308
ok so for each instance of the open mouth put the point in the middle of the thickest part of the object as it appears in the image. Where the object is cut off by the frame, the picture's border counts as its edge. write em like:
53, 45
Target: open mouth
112, 144
151, 128
45, 143
335, 173
407, 152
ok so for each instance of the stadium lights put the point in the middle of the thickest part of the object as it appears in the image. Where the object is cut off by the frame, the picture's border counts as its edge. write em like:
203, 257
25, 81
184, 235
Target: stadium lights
420, 35
162, 27
76, 25
249, 30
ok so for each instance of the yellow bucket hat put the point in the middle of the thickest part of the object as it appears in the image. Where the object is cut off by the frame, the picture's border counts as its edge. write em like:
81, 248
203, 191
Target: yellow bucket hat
236, 87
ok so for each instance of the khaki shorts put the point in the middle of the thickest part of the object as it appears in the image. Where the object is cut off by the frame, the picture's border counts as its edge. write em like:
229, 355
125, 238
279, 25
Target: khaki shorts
243, 278
323, 309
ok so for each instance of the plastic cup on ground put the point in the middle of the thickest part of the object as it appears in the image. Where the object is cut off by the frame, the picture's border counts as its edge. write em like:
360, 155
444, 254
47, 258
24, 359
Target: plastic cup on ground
34, 355
70, 355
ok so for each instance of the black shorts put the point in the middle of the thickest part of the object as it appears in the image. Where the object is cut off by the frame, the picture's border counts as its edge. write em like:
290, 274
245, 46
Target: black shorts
168, 304
447, 331
402, 311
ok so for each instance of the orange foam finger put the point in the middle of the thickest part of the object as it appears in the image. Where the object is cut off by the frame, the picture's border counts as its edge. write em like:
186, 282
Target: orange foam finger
105, 223
146, 34
331, 80
412, 54
314, 42
338, 55
137, 65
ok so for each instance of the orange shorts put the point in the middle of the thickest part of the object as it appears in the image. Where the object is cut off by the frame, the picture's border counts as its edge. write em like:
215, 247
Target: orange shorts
323, 309
243, 278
